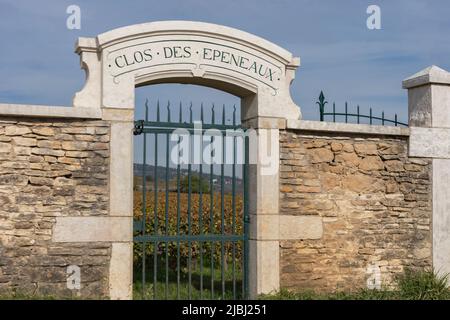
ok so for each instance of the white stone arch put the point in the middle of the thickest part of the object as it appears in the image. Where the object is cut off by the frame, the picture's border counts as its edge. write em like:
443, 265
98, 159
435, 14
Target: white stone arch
254, 69
250, 67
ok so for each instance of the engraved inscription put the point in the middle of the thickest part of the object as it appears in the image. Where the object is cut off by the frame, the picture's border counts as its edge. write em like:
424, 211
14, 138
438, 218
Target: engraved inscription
194, 55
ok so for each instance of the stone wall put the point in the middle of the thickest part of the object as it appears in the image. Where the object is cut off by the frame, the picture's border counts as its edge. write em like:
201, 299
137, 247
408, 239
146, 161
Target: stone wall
50, 169
375, 204
371, 202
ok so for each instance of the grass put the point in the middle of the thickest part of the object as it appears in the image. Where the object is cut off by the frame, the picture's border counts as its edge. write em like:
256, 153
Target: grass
181, 290
15, 296
424, 285
412, 285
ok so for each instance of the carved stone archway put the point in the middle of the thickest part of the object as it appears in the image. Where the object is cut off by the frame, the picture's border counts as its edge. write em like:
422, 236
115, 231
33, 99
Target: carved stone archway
254, 69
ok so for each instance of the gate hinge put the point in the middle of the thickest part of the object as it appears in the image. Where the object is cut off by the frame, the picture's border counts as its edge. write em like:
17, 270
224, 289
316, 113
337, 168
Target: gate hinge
138, 127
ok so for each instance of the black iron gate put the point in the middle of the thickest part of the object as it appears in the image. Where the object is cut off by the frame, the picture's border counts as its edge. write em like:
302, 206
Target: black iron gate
191, 211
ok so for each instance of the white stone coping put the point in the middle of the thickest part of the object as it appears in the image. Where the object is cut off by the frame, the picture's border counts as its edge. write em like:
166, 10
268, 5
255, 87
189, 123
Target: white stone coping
430, 75
346, 128
23, 110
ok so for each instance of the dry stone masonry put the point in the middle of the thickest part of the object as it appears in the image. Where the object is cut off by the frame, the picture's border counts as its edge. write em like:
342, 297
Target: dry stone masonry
50, 169
374, 202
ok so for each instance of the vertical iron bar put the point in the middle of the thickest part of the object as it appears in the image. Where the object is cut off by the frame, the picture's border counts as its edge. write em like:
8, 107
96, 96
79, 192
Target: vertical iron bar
178, 209
370, 117
211, 207
357, 110
334, 111
346, 113
233, 199
167, 204
246, 217
395, 119
200, 212
144, 204
382, 118
189, 211
155, 253
222, 206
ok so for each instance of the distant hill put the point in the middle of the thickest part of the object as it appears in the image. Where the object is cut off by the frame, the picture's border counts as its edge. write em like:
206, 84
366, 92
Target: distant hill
172, 176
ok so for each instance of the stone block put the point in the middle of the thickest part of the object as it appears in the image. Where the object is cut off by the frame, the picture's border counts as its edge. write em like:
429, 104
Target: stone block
25, 142
47, 152
5, 147
92, 229
320, 155
121, 271
43, 131
371, 163
300, 227
16, 130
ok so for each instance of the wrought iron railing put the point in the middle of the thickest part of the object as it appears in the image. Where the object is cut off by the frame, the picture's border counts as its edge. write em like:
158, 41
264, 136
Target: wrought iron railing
346, 115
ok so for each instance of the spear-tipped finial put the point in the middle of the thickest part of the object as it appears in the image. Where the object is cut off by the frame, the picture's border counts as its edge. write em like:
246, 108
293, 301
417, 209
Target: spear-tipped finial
201, 112
321, 104
223, 114
146, 109
168, 111
157, 111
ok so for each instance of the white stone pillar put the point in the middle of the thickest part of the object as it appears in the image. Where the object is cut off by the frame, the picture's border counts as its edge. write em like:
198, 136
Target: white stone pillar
429, 120
264, 247
121, 200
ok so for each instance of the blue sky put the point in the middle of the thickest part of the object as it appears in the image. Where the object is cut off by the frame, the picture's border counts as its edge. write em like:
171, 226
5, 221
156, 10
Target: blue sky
339, 54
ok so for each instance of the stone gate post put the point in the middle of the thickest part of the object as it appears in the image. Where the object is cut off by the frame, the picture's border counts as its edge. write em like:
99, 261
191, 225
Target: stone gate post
264, 251
429, 120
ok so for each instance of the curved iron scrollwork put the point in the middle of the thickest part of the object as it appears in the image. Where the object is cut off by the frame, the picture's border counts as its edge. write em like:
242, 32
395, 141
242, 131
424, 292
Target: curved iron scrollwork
138, 127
